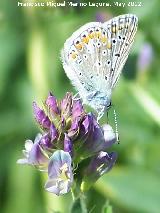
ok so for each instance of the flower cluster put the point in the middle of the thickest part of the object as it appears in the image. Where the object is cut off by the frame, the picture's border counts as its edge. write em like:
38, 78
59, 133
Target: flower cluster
68, 136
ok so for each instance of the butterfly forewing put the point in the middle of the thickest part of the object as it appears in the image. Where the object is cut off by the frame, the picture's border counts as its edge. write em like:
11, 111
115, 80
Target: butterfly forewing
93, 57
123, 29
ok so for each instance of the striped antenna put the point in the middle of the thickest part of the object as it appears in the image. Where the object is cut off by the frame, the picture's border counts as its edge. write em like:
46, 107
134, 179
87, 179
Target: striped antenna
115, 120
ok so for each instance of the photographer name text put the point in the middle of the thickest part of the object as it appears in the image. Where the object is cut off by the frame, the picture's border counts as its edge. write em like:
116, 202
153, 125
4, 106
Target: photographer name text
73, 4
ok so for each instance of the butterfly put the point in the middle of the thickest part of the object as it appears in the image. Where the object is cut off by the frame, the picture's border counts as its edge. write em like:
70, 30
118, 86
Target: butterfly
94, 56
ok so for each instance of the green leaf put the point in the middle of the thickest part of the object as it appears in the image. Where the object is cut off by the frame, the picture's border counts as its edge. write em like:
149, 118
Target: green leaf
134, 189
79, 206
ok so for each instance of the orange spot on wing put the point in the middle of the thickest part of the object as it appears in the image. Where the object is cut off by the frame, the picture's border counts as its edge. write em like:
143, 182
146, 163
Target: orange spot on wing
85, 39
98, 34
73, 55
103, 39
91, 34
79, 46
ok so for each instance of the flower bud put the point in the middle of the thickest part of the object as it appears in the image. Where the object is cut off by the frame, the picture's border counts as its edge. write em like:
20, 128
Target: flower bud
53, 132
98, 166
41, 117
68, 144
77, 109
51, 102
66, 106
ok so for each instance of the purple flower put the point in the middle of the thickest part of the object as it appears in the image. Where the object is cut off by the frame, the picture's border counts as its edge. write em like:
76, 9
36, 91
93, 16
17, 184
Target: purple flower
69, 135
45, 142
102, 16
68, 146
145, 57
94, 138
52, 103
66, 106
53, 132
60, 176
109, 135
74, 130
98, 166
77, 109
101, 163
41, 117
34, 153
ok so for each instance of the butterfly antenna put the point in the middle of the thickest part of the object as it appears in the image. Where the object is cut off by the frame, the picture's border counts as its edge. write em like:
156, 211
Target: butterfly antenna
116, 124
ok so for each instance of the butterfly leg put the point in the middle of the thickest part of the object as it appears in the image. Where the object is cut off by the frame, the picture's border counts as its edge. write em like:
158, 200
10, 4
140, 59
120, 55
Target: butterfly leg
100, 113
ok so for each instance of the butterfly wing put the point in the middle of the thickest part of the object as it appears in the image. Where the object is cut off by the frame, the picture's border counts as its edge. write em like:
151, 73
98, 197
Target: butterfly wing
123, 29
79, 56
94, 56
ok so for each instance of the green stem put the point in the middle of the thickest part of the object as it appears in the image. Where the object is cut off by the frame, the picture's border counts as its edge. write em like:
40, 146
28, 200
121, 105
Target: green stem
73, 195
75, 190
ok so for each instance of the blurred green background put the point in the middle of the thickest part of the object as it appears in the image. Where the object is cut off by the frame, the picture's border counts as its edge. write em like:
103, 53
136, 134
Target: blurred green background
30, 42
